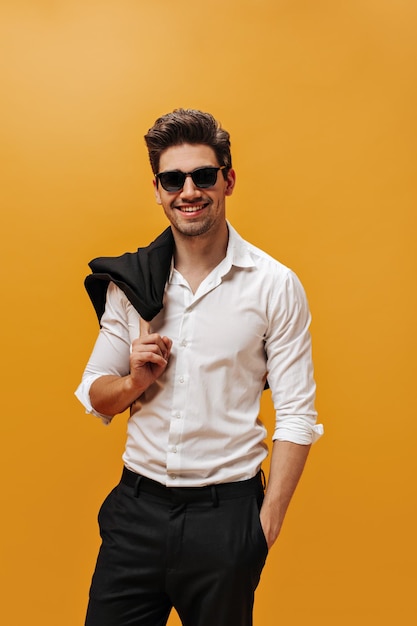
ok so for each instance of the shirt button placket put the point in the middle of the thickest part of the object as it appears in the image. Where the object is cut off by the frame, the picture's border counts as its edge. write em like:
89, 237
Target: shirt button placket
179, 406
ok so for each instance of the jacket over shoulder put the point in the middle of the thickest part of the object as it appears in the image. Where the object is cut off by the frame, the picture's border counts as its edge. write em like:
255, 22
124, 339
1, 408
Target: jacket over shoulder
141, 275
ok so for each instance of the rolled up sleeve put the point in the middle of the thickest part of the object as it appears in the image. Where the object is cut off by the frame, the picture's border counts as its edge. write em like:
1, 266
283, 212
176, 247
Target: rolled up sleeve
110, 355
290, 365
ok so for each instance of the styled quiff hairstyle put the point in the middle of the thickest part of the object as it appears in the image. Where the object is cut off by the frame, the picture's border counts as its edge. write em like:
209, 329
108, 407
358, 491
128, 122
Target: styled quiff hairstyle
188, 126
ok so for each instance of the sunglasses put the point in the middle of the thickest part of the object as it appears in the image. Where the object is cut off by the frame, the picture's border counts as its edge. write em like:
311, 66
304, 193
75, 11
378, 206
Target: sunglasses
202, 177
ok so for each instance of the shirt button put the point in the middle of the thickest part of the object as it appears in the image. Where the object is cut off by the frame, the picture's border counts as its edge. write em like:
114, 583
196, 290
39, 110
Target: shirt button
174, 449
184, 343
173, 476
178, 415
181, 379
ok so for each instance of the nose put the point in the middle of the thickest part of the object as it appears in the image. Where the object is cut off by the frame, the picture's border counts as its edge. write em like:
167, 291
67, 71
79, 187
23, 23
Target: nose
190, 190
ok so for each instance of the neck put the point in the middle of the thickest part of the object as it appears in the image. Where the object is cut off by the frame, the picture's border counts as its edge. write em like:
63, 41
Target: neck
195, 257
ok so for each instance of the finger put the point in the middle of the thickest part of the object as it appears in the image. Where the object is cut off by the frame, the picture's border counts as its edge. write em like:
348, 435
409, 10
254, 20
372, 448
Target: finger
144, 327
168, 346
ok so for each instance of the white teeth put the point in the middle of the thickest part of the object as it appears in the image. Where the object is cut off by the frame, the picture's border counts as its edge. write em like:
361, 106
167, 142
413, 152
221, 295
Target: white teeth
190, 209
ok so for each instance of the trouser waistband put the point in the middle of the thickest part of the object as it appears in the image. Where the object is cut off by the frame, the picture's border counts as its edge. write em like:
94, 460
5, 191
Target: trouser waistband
209, 493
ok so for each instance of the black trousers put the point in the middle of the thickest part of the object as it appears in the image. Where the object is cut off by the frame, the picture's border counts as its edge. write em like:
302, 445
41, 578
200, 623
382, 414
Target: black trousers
200, 550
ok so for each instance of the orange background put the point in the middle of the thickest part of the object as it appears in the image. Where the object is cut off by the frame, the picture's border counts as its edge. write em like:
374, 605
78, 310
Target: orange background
320, 99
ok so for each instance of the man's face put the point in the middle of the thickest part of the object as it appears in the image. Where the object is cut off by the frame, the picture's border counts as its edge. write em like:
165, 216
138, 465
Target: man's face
193, 211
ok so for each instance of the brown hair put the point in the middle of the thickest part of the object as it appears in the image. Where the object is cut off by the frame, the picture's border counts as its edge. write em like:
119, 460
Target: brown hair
188, 126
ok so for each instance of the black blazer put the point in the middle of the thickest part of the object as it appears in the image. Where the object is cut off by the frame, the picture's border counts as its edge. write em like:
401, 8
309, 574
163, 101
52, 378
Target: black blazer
141, 275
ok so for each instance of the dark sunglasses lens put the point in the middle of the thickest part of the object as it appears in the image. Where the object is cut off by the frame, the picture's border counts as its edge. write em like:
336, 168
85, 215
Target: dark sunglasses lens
205, 177
172, 181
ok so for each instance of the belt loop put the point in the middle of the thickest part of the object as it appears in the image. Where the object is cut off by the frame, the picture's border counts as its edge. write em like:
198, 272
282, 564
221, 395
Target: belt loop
263, 479
214, 496
137, 486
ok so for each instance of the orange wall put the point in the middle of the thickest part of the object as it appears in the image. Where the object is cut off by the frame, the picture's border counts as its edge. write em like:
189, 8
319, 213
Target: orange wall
320, 99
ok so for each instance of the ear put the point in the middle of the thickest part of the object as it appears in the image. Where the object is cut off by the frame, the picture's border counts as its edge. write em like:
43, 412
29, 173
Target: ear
156, 192
230, 182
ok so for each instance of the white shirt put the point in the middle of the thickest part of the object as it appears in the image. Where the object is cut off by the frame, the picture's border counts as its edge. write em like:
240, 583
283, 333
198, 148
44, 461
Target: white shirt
198, 423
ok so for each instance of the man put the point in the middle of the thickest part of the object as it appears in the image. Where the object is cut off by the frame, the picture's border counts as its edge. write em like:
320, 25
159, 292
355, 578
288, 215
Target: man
189, 526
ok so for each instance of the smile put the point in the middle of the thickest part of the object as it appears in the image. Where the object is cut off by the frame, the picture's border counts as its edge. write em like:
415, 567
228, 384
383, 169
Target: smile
191, 209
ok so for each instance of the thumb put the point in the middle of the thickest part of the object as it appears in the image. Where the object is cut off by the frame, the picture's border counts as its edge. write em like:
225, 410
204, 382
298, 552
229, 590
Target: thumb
144, 327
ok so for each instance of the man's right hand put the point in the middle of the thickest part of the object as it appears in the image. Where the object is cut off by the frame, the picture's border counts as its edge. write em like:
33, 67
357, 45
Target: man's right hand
149, 357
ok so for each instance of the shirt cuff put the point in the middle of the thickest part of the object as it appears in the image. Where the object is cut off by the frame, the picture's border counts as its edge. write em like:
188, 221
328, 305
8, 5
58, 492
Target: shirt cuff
304, 436
82, 393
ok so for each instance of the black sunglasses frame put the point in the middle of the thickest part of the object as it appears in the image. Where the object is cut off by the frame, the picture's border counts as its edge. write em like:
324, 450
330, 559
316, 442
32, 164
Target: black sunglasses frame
194, 176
